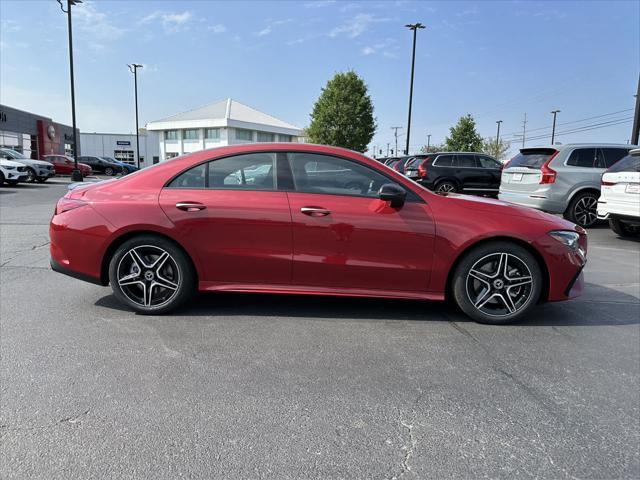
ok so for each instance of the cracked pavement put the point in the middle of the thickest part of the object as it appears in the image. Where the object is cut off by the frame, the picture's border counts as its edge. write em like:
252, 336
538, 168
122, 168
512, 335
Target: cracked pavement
257, 386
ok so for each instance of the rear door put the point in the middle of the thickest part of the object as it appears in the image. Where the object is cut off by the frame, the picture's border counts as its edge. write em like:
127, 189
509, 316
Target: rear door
231, 213
492, 170
471, 177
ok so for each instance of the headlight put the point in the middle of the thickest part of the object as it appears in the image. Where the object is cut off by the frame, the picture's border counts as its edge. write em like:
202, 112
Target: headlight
10, 168
566, 237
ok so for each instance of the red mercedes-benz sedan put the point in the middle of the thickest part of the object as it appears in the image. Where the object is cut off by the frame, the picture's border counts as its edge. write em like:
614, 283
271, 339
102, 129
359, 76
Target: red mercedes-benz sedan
309, 219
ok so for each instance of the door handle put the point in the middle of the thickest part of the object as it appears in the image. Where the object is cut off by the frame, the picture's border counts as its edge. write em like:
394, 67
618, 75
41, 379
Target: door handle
315, 211
190, 206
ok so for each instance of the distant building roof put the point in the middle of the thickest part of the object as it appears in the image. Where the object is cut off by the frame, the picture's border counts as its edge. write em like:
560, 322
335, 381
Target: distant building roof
225, 113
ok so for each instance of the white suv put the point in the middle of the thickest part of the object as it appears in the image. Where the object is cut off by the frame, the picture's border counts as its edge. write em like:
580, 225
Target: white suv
12, 172
620, 196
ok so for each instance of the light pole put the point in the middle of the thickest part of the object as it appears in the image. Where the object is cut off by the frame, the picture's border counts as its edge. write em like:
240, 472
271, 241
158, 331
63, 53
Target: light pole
428, 141
134, 69
635, 129
553, 130
498, 134
414, 27
395, 134
76, 175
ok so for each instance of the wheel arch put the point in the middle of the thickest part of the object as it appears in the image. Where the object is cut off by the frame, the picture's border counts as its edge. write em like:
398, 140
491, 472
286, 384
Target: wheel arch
544, 293
116, 242
582, 189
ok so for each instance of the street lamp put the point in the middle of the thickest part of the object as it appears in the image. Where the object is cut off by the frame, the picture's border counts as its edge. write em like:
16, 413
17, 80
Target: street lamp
553, 130
415, 27
76, 175
134, 69
498, 134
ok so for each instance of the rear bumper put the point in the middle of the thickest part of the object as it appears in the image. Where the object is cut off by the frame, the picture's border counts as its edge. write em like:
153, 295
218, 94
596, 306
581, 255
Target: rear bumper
57, 267
533, 200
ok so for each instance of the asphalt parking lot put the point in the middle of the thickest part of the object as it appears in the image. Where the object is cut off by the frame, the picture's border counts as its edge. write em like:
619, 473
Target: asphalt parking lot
252, 386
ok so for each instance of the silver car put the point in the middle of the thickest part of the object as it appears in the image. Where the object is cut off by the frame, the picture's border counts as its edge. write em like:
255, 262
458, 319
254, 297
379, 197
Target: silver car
37, 170
560, 179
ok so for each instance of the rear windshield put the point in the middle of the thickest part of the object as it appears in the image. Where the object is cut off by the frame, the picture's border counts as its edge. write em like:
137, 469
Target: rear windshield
531, 158
629, 163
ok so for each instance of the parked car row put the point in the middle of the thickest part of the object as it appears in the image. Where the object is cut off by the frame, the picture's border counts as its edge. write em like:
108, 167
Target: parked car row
451, 172
16, 168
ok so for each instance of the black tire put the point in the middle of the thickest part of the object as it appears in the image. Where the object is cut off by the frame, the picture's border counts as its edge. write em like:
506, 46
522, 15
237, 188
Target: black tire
499, 299
171, 281
125, 171
41, 179
31, 175
622, 229
446, 186
1, 179
109, 171
12, 183
583, 209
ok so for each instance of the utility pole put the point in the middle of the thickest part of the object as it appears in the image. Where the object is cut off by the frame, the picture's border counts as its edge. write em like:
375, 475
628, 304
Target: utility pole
635, 131
76, 175
524, 129
428, 141
134, 69
498, 135
395, 134
388, 149
414, 27
553, 130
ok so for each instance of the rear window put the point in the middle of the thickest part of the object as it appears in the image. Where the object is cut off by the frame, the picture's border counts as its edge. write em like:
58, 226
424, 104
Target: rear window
614, 155
531, 158
583, 157
629, 163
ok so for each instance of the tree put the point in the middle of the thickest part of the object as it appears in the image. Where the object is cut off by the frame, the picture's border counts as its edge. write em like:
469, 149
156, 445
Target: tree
464, 137
497, 151
432, 148
343, 115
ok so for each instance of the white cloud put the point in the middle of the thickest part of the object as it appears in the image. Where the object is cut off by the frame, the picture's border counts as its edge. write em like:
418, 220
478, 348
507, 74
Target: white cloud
9, 25
270, 25
387, 48
171, 22
218, 28
357, 25
95, 23
368, 51
264, 31
320, 3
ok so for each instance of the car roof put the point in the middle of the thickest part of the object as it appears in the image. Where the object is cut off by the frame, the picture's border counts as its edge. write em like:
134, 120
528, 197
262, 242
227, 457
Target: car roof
574, 145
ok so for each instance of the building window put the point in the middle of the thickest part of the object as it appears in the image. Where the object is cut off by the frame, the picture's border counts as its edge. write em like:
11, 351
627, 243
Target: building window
284, 138
190, 134
212, 134
266, 137
242, 134
171, 135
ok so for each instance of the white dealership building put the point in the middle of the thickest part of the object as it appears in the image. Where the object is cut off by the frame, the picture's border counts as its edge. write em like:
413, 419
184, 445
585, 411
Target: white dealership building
227, 122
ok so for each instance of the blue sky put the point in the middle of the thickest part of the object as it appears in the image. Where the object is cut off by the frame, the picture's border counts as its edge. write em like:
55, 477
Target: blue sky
495, 60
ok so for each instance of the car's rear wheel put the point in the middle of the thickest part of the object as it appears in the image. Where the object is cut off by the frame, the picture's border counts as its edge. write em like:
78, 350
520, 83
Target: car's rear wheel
151, 274
623, 229
583, 209
108, 171
1, 179
446, 186
41, 179
497, 283
31, 175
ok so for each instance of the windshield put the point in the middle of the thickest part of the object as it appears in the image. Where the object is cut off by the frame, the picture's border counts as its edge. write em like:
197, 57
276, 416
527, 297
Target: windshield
531, 157
14, 154
630, 163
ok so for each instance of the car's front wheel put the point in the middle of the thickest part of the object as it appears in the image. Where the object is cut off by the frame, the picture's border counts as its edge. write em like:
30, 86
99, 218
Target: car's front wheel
623, 229
109, 171
41, 179
31, 175
497, 283
151, 274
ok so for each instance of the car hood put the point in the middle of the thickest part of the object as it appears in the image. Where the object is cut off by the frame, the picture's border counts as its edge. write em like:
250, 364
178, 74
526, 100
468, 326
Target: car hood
490, 205
29, 161
10, 163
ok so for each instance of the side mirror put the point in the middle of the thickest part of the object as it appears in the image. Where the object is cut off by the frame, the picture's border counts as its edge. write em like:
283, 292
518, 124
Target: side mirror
394, 194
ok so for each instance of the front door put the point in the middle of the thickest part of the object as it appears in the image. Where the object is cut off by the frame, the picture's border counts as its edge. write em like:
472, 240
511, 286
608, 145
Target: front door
344, 236
230, 213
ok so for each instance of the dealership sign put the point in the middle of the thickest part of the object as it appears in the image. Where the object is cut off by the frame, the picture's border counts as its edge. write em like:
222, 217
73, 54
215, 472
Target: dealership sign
123, 142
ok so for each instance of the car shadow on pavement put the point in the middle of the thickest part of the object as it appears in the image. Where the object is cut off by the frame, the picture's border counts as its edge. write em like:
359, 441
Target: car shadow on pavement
595, 308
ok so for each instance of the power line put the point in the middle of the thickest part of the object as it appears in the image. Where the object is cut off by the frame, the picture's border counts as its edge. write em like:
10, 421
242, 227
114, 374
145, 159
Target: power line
585, 128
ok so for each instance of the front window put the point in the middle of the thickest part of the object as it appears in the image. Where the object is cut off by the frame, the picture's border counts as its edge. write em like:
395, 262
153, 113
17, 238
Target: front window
190, 134
245, 135
266, 137
313, 173
171, 135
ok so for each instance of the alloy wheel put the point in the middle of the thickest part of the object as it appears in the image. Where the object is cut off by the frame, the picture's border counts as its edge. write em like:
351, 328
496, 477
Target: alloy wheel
148, 276
586, 211
499, 284
108, 171
31, 175
446, 187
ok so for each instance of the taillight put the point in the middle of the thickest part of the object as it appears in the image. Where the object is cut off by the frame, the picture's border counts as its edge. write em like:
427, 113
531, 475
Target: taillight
608, 184
66, 204
548, 174
422, 170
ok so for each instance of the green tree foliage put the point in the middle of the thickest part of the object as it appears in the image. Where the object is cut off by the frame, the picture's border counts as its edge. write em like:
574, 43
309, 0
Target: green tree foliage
497, 151
464, 137
432, 148
343, 115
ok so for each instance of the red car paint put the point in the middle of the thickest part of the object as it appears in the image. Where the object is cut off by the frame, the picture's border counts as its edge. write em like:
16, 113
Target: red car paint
64, 165
252, 240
